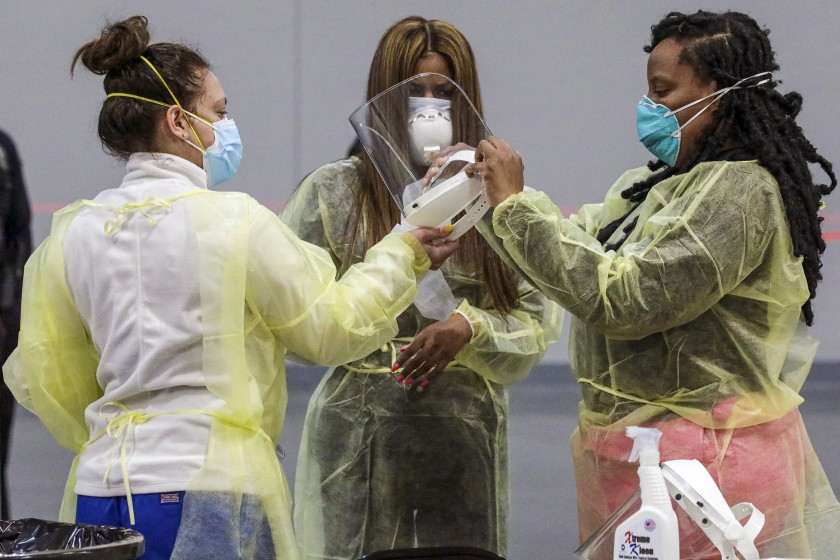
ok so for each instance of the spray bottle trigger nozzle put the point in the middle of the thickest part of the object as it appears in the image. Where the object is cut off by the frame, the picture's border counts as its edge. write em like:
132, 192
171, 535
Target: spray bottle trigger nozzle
645, 444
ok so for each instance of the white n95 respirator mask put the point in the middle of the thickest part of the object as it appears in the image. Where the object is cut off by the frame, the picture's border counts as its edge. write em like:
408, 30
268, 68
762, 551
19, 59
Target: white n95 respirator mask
429, 128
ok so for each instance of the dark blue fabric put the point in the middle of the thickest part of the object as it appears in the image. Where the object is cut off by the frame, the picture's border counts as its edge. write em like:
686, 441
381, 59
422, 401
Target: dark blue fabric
157, 517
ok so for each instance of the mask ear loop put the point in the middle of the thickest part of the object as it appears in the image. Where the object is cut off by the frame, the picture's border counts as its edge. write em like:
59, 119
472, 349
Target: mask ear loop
717, 95
162, 104
178, 103
175, 99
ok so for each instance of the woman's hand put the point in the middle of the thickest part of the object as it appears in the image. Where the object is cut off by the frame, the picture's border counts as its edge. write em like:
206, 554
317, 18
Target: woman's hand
436, 245
441, 160
500, 168
431, 351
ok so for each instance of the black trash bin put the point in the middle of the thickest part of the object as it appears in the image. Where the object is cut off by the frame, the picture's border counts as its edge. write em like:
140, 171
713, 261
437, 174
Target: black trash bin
52, 540
434, 553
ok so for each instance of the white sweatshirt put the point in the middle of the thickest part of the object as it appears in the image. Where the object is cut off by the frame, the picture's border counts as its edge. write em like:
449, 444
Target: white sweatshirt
145, 321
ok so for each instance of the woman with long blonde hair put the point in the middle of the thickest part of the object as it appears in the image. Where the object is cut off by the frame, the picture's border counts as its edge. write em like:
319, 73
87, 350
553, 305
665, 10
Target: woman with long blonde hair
414, 457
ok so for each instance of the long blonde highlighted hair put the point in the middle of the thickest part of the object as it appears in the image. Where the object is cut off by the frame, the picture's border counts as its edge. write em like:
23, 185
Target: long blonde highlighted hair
375, 212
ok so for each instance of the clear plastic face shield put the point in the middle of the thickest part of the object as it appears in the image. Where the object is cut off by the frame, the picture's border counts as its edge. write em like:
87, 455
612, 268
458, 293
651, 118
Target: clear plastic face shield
403, 130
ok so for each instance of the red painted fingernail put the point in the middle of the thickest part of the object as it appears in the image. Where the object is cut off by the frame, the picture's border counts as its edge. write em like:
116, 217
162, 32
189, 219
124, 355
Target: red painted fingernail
402, 349
399, 379
409, 381
424, 383
395, 367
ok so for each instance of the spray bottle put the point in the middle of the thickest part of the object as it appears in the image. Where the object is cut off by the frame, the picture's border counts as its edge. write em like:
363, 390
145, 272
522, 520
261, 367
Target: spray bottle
652, 532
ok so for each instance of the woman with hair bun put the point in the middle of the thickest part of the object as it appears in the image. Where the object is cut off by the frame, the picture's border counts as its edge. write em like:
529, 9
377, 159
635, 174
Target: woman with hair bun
155, 322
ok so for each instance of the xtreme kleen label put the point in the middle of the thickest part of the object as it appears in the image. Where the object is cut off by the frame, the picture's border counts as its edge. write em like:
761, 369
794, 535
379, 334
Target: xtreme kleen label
639, 546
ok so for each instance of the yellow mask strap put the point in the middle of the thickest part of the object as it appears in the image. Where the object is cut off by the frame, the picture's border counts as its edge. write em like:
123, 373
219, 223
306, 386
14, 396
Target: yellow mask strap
161, 103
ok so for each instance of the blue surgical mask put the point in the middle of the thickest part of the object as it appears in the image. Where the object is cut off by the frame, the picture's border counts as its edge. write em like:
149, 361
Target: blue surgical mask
658, 127
658, 130
222, 159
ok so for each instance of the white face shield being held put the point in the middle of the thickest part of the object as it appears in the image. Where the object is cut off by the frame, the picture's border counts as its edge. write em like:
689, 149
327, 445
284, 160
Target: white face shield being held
403, 135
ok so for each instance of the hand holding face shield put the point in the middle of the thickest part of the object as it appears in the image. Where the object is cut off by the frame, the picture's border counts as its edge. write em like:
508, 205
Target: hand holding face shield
403, 134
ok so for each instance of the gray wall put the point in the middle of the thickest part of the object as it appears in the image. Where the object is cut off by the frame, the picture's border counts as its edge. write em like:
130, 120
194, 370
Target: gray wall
560, 82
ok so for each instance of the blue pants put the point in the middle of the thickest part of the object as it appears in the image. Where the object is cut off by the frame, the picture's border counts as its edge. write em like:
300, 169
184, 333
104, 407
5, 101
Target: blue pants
157, 517
222, 526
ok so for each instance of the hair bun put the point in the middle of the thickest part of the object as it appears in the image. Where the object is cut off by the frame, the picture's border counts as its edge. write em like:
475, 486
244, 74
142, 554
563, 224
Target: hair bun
794, 104
119, 43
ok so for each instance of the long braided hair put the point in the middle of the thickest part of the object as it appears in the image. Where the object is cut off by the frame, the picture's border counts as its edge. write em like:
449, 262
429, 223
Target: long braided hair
725, 48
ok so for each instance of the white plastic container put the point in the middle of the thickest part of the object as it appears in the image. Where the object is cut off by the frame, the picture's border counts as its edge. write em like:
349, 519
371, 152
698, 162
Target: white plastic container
652, 532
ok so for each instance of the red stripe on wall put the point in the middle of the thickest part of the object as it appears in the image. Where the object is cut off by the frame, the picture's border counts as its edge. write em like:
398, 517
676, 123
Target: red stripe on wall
276, 205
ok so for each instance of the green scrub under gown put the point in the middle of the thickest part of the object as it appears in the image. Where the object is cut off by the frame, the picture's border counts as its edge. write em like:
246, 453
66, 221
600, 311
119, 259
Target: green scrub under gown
381, 467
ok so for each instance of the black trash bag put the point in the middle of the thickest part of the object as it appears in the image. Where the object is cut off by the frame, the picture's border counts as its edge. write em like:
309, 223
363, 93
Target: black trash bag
28, 538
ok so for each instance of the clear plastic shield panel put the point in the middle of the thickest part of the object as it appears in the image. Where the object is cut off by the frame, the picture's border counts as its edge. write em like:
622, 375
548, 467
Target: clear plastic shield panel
404, 128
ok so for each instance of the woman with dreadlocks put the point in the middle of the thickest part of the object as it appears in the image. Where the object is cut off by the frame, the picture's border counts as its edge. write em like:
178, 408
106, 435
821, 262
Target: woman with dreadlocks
691, 285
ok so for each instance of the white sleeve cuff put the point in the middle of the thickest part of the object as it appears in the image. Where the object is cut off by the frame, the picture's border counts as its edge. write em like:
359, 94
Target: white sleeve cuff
464, 315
